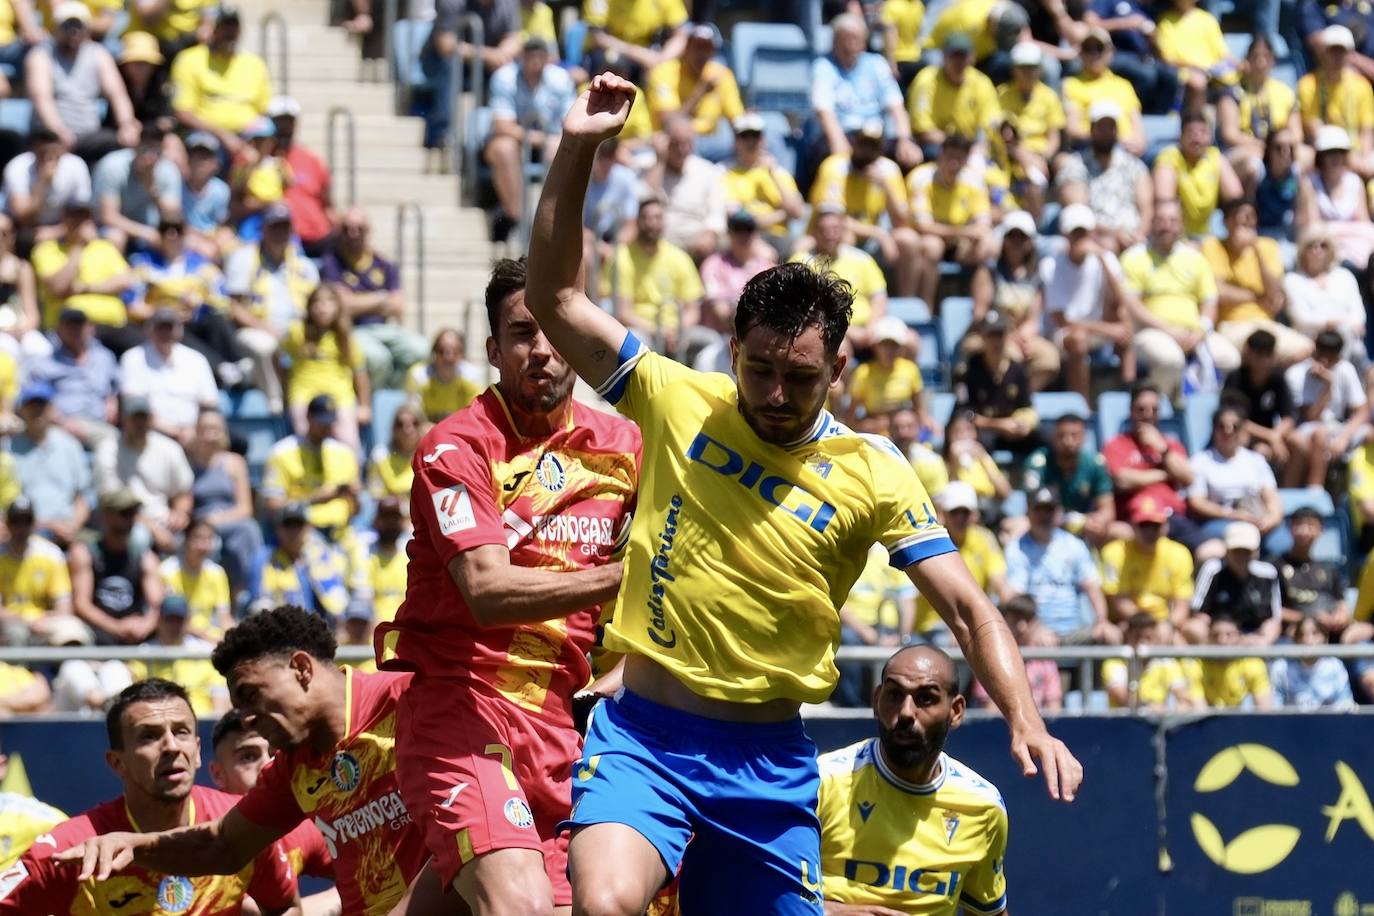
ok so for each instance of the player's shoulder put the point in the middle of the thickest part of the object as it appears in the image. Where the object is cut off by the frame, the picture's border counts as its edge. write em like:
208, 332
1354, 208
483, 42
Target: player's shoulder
962, 779
379, 690
211, 803
842, 763
609, 431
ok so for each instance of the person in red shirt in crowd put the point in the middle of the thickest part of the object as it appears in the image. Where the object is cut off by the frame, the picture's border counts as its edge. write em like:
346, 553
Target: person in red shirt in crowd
519, 501
334, 731
1144, 463
155, 752
312, 208
238, 755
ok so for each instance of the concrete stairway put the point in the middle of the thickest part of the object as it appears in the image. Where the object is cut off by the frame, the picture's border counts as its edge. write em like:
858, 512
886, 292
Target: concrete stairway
323, 71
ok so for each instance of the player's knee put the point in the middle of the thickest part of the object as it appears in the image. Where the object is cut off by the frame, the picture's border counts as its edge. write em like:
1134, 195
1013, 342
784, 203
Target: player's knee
609, 898
514, 900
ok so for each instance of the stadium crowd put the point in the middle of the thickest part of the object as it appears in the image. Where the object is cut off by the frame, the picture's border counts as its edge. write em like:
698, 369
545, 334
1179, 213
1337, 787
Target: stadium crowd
178, 284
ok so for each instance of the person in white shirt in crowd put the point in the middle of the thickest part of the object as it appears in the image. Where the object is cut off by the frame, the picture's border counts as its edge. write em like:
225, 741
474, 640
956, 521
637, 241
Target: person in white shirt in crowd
1322, 295
1330, 398
176, 380
694, 191
1084, 300
151, 466
1231, 483
81, 686
41, 182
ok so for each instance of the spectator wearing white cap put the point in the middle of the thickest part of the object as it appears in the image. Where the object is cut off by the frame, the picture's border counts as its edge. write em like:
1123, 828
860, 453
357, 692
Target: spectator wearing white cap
1085, 299
1332, 193
1011, 283
309, 194
698, 86
1096, 83
1335, 94
1038, 112
890, 381
1238, 586
1112, 181
66, 81
951, 97
755, 182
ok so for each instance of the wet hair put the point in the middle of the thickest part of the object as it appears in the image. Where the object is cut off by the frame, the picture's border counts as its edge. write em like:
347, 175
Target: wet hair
229, 724
507, 277
790, 298
149, 691
277, 632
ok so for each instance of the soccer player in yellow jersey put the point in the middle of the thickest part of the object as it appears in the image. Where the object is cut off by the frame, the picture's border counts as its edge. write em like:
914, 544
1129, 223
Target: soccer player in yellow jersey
756, 513
905, 828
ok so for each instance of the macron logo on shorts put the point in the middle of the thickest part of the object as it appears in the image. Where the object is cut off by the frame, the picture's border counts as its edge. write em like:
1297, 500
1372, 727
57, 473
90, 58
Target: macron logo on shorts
453, 508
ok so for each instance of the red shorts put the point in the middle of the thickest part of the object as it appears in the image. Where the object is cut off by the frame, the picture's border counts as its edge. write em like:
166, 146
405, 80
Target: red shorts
479, 774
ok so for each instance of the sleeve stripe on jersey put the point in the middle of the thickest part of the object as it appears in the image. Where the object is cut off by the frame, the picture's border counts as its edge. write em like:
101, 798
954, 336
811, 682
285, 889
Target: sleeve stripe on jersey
920, 547
613, 389
997, 906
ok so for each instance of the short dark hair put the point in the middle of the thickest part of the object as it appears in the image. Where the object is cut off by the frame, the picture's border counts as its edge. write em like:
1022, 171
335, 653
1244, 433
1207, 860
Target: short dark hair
1071, 418
1224, 617
1304, 514
1234, 205
790, 298
1236, 406
154, 688
1330, 342
1192, 116
957, 143
508, 275
275, 632
229, 724
1258, 40
1262, 341
1020, 606
1140, 620
1143, 387
650, 201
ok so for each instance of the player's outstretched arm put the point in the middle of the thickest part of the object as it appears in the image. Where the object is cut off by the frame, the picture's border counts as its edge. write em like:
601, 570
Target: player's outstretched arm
991, 651
220, 847
587, 337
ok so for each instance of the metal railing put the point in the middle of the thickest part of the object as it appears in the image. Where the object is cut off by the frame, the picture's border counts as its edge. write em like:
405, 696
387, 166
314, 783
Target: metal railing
281, 75
350, 147
413, 209
465, 153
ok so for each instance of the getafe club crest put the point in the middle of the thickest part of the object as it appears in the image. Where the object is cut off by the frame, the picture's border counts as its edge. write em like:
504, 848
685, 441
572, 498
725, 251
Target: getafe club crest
345, 771
550, 473
175, 894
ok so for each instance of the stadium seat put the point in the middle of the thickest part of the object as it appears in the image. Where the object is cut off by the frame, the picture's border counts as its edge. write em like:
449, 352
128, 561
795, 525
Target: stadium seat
259, 435
1015, 505
930, 358
249, 404
911, 309
1160, 131
956, 316
1114, 410
385, 403
781, 81
823, 40
16, 115
1296, 498
1051, 405
941, 406
1197, 419
747, 39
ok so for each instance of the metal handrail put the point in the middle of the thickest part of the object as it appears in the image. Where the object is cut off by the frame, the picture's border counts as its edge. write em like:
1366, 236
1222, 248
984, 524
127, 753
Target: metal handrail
282, 77
402, 211
465, 154
350, 143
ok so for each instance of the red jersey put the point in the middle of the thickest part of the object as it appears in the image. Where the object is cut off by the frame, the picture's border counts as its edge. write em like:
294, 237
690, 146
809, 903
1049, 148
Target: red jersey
307, 194
307, 852
350, 796
558, 503
1124, 452
38, 885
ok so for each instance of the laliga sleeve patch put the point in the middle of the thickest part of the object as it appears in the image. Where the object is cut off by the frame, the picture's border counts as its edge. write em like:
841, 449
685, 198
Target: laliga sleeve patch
453, 508
12, 877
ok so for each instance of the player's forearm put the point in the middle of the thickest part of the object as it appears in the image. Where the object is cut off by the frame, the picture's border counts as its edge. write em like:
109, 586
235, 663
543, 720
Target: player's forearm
507, 595
555, 266
196, 850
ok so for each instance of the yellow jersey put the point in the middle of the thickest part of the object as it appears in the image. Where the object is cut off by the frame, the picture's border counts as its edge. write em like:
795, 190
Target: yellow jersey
202, 682
904, 17
967, 17
1364, 604
229, 93
296, 469
1228, 683
877, 594
182, 18
1194, 39
439, 398
1266, 110
1244, 272
1151, 580
863, 196
1199, 185
319, 367
983, 557
670, 84
1361, 488
926, 850
657, 283
637, 21
206, 591
34, 581
1081, 91
760, 190
935, 103
536, 21
1038, 115
23, 820
881, 389
1158, 682
100, 262
381, 580
1348, 104
390, 474
857, 268
1173, 286
742, 551
953, 205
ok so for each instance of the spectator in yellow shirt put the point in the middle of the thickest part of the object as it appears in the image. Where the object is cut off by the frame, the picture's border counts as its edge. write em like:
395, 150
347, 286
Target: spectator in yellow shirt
175, 23
1036, 107
1189, 38
951, 98
1194, 173
696, 85
1257, 107
653, 283
889, 381
1228, 683
219, 88
389, 471
199, 581
35, 586
315, 470
447, 383
901, 20
868, 185
645, 32
1163, 683
755, 182
326, 360
968, 17
952, 213
1335, 93
380, 569
1148, 573
958, 507
80, 270
853, 265
1097, 83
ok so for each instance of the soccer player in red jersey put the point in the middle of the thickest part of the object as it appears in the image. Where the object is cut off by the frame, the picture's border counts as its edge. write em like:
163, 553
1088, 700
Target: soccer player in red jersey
155, 752
237, 756
334, 730
518, 502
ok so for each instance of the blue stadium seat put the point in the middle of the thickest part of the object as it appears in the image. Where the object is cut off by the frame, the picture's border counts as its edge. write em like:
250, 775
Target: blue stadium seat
1297, 498
930, 357
16, 115
781, 81
1014, 506
941, 406
249, 404
408, 37
260, 434
1160, 131
781, 140
747, 39
1197, 419
823, 40
911, 309
1051, 405
574, 39
956, 316
385, 403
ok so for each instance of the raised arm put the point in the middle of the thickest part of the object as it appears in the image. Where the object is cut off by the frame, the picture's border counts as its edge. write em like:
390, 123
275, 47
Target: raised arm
220, 847
587, 337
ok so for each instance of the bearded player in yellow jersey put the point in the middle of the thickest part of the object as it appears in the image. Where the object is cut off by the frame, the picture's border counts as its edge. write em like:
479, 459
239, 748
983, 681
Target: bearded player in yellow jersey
756, 512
